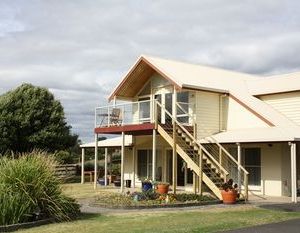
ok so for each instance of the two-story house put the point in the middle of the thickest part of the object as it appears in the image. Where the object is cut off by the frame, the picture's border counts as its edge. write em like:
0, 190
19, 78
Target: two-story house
196, 126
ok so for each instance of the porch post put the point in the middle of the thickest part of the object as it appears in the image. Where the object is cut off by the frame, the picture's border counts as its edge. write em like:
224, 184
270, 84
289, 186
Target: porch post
174, 168
201, 172
174, 113
133, 165
105, 166
185, 175
122, 161
239, 155
154, 155
194, 182
293, 171
96, 161
164, 166
82, 164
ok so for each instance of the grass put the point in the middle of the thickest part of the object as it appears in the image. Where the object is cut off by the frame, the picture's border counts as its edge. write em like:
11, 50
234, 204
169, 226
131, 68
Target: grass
79, 191
211, 220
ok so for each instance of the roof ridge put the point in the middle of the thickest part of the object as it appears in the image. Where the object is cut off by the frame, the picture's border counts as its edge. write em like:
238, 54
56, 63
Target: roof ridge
201, 65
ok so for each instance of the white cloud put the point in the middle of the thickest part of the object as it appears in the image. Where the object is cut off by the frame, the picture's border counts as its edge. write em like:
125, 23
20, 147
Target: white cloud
81, 49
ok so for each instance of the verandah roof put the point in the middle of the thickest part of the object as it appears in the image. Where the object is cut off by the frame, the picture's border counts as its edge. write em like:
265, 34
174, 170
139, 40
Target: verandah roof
110, 142
252, 135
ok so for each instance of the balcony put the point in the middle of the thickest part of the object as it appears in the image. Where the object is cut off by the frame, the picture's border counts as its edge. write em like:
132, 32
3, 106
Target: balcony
137, 118
132, 118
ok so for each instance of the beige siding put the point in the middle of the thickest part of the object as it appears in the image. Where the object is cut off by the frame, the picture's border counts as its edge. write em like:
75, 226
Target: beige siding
238, 117
271, 172
286, 103
207, 113
275, 168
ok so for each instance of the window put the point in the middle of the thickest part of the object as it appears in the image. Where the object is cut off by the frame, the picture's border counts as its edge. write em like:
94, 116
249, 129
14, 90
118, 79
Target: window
251, 160
144, 106
144, 163
183, 110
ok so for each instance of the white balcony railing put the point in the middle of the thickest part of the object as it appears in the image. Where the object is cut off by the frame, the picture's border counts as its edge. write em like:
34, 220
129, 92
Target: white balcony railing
138, 113
124, 114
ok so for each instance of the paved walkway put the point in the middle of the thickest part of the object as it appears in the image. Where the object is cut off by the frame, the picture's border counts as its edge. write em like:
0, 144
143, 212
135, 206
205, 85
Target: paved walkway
290, 226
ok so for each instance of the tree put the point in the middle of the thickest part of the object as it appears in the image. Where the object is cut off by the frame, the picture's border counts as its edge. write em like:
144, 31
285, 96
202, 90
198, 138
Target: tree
31, 118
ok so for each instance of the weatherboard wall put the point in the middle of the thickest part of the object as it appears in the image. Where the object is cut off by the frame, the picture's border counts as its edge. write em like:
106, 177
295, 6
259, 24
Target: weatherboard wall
286, 103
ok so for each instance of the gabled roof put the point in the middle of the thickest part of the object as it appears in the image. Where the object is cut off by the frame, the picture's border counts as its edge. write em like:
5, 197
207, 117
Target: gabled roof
275, 84
182, 75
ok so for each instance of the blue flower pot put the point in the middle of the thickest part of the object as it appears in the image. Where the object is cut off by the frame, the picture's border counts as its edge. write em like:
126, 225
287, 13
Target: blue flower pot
146, 186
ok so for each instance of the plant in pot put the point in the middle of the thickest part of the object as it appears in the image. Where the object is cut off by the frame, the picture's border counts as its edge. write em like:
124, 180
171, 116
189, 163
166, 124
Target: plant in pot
162, 187
229, 192
146, 185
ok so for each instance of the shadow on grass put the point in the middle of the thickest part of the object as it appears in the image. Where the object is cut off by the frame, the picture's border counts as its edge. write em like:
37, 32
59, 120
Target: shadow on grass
87, 216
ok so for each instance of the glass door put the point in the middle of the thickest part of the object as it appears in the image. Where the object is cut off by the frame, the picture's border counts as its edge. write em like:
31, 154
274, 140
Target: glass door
144, 109
165, 97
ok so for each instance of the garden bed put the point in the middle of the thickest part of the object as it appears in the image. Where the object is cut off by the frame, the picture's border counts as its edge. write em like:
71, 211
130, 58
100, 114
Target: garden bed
146, 200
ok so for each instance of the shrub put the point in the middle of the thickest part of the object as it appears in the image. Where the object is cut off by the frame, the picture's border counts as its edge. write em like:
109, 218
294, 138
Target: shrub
116, 169
64, 157
29, 190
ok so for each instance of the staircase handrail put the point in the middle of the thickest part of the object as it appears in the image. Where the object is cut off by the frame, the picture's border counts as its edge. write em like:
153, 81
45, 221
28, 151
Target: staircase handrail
215, 141
193, 139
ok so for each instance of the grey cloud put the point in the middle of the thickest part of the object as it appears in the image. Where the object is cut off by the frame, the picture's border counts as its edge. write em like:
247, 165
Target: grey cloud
81, 49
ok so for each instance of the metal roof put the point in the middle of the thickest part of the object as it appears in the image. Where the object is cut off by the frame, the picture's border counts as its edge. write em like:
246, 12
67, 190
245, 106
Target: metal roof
110, 142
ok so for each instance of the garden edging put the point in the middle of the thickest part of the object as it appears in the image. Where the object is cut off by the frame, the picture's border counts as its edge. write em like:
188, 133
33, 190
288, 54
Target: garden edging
174, 205
14, 227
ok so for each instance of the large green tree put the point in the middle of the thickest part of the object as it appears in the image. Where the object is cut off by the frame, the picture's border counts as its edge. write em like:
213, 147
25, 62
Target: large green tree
31, 118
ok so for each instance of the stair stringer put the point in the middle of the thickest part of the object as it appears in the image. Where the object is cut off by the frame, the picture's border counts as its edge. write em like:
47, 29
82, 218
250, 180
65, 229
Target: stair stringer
192, 165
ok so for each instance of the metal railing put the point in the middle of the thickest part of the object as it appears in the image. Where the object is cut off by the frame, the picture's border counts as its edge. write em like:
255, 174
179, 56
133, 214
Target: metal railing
168, 125
124, 114
236, 171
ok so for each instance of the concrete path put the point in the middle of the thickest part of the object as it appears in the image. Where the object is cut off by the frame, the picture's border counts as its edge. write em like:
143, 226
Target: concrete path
290, 226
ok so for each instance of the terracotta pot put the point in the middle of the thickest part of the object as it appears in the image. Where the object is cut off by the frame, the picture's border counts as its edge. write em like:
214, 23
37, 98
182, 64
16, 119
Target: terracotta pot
229, 197
162, 188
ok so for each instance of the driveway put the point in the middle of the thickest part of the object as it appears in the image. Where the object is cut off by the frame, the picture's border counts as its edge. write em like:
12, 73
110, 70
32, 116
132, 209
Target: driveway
290, 226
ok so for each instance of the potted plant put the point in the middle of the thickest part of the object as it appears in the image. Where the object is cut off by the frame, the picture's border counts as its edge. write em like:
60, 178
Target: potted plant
162, 187
146, 185
229, 192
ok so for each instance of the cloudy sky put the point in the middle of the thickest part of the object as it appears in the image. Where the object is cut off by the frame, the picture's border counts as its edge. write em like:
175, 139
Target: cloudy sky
80, 49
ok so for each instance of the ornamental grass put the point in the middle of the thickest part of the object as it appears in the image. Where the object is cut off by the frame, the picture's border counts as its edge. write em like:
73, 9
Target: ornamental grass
30, 190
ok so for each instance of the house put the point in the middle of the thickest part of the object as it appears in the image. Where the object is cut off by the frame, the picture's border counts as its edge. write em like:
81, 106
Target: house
196, 126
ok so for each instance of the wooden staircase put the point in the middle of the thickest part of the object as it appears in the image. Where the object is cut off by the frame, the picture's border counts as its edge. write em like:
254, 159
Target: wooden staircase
190, 153
200, 158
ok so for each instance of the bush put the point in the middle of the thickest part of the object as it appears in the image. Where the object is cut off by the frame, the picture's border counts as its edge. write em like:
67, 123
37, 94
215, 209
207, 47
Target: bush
29, 190
64, 157
116, 169
90, 166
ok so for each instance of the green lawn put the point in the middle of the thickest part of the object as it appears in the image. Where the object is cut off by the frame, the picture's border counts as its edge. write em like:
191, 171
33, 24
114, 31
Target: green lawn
181, 221
211, 219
